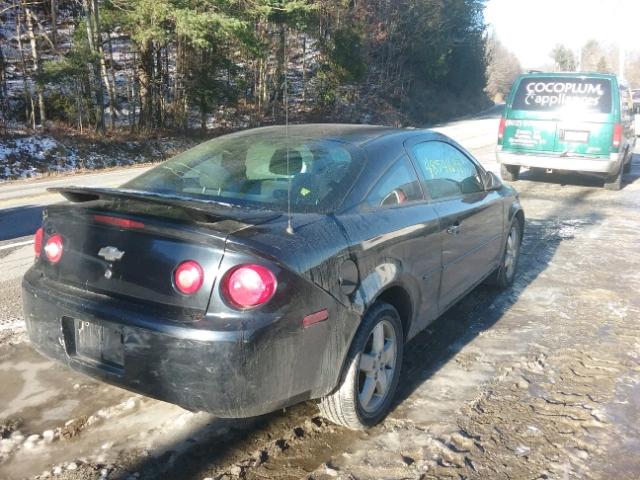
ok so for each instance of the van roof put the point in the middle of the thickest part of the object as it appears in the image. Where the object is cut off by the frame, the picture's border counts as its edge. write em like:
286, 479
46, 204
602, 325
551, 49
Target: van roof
571, 74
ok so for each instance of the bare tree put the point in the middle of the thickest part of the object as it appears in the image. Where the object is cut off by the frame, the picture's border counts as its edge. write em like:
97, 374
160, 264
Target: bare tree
632, 69
564, 59
3, 89
54, 22
502, 69
28, 99
590, 55
92, 20
37, 66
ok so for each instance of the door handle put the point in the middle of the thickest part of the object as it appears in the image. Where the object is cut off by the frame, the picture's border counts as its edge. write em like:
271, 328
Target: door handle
454, 229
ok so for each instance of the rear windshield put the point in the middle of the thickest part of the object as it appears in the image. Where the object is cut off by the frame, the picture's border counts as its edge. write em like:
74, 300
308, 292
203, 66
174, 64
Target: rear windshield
589, 95
262, 169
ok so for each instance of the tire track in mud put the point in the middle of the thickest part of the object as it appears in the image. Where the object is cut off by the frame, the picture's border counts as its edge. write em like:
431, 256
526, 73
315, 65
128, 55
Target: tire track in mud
550, 413
221, 449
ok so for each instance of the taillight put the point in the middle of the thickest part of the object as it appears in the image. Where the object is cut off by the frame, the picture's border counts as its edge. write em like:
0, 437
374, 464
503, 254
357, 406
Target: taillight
617, 135
37, 241
248, 286
188, 277
53, 248
503, 123
118, 222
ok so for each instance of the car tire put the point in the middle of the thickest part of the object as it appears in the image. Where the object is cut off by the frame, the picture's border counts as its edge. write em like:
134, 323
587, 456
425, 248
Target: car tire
510, 173
362, 399
503, 276
614, 182
627, 166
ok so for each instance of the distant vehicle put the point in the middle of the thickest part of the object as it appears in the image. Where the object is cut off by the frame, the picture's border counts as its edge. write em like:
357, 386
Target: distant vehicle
635, 95
579, 122
264, 268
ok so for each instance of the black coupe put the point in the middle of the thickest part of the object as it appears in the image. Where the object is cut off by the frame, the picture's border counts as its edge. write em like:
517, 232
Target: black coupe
270, 266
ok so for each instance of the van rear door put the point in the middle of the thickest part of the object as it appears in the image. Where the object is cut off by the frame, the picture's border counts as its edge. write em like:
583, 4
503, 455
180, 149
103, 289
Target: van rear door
566, 115
527, 126
586, 119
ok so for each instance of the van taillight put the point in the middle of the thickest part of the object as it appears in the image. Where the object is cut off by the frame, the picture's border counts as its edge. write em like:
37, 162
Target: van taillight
617, 135
503, 123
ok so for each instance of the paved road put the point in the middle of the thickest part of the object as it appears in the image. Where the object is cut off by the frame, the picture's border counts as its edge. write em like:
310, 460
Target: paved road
21, 202
34, 192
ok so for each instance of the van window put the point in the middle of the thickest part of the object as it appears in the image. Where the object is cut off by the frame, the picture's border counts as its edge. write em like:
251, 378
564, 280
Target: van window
550, 94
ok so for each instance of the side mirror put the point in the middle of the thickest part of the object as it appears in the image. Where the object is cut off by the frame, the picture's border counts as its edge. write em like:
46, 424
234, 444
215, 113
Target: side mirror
492, 182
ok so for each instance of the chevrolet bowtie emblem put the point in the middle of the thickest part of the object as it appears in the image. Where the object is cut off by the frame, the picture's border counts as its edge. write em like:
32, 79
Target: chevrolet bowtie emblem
110, 254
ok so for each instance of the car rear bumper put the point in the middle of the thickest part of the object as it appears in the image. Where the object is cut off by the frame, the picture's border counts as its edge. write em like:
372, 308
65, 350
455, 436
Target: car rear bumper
603, 165
220, 372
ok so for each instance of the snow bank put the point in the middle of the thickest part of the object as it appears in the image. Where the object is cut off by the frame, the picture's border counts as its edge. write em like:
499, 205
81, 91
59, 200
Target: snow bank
36, 155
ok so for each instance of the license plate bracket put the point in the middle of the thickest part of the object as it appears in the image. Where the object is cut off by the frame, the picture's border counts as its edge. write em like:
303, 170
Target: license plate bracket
576, 136
100, 344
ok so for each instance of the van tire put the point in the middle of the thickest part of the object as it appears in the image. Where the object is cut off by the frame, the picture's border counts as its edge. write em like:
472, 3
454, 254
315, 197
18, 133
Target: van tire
627, 166
614, 182
510, 173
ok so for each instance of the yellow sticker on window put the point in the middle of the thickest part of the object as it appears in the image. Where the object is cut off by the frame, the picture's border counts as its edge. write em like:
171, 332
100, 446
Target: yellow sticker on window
304, 191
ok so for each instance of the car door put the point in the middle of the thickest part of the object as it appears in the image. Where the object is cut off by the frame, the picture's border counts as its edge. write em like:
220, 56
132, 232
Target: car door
471, 218
394, 236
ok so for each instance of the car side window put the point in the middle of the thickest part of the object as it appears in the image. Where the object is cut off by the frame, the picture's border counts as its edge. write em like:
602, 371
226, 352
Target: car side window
447, 171
398, 185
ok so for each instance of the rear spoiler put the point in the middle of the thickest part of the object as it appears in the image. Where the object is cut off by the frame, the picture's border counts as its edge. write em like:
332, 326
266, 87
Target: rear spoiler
201, 210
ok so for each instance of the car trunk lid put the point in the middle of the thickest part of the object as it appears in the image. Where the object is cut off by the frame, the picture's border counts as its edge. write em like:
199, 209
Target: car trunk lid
125, 245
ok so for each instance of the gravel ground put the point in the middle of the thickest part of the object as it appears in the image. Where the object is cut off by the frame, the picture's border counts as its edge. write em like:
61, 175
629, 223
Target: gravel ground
540, 381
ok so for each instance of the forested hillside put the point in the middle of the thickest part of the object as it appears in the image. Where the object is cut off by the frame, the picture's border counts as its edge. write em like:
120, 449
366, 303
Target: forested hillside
177, 65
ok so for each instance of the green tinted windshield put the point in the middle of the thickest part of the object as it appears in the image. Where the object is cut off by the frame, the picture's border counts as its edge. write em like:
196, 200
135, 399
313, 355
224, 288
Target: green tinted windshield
260, 168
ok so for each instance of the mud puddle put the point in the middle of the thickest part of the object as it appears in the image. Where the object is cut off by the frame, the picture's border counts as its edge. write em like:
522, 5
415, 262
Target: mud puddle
39, 394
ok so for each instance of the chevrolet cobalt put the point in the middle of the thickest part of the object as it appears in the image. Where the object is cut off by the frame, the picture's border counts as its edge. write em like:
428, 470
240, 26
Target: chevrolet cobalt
269, 267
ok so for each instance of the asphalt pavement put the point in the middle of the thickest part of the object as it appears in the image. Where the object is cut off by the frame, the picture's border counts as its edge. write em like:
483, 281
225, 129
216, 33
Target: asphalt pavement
22, 202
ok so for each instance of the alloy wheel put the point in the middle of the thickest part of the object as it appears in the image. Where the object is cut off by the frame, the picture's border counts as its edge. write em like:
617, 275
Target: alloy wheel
377, 367
511, 253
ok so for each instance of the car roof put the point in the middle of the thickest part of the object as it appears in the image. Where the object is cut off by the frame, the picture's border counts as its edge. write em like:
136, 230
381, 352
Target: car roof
354, 134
